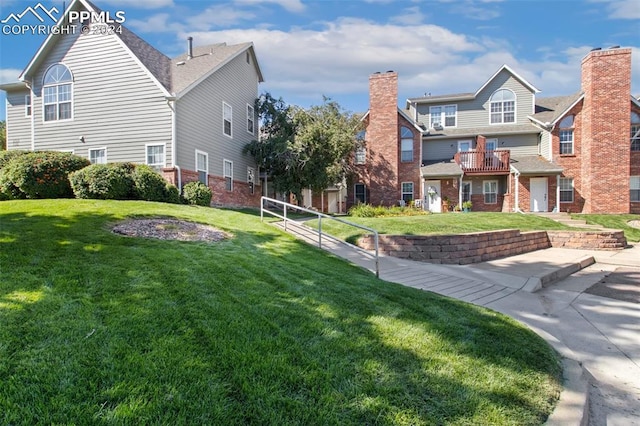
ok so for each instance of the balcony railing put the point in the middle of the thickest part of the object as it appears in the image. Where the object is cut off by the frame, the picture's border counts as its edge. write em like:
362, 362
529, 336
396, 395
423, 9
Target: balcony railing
484, 162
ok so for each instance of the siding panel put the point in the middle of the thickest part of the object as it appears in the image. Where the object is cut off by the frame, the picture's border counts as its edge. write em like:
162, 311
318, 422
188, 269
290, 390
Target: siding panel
18, 125
199, 119
115, 102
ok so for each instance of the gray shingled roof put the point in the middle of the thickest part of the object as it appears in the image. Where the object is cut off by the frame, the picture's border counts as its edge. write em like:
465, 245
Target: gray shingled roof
205, 60
441, 169
485, 131
548, 110
156, 62
534, 164
440, 98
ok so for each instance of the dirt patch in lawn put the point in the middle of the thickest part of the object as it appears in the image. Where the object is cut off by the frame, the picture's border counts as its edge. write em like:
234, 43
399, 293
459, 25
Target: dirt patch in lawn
170, 229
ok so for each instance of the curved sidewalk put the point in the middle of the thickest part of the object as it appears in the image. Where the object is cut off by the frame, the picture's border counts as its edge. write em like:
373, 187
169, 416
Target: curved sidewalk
599, 337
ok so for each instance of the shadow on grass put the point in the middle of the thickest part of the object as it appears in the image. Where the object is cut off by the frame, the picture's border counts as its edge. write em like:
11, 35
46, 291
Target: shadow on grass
258, 329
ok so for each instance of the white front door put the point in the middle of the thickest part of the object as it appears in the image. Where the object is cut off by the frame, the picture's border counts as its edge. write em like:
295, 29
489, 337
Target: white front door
332, 200
539, 195
433, 199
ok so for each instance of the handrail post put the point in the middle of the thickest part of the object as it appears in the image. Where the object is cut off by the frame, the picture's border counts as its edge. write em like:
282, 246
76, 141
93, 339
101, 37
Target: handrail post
261, 209
377, 257
285, 217
319, 231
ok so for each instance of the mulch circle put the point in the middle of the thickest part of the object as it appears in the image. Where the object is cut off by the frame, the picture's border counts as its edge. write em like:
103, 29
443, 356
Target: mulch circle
170, 229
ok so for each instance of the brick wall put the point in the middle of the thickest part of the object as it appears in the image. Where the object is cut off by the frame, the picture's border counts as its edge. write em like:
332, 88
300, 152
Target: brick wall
410, 171
241, 195
382, 139
606, 82
571, 163
483, 246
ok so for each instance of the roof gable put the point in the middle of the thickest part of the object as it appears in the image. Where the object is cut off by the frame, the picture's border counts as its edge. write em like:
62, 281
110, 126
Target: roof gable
506, 68
188, 73
152, 61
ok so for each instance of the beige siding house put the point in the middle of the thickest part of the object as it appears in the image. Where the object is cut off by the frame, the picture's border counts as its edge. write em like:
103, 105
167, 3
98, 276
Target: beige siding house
113, 97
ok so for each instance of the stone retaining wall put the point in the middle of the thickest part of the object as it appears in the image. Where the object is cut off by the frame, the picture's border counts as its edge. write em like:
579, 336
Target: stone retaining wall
482, 246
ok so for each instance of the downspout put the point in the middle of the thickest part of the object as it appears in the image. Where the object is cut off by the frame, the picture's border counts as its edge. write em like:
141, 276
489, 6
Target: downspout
33, 114
171, 102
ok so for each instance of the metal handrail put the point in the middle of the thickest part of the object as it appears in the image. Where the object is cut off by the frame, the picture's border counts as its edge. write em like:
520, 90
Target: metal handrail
320, 215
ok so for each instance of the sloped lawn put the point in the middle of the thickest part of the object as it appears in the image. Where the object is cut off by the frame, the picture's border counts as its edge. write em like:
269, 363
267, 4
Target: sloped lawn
99, 328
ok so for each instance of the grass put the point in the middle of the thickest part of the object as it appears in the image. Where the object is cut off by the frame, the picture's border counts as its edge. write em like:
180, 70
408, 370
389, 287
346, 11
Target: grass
613, 221
439, 224
98, 328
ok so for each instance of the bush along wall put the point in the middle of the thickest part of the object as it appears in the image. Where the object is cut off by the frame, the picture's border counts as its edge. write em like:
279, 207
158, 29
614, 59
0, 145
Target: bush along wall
39, 174
197, 193
113, 181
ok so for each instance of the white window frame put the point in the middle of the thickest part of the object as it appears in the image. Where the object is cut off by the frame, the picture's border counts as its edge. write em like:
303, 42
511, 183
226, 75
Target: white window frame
356, 200
251, 119
403, 193
56, 87
164, 156
502, 111
227, 115
566, 136
406, 141
28, 108
635, 131
440, 113
228, 174
361, 155
206, 166
104, 148
466, 183
564, 188
634, 189
490, 193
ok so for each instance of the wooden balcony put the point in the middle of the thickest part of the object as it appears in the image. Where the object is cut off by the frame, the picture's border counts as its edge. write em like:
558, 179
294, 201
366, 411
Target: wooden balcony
484, 162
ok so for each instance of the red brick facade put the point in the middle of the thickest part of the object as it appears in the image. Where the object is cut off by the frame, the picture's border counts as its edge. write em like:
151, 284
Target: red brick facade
240, 196
600, 165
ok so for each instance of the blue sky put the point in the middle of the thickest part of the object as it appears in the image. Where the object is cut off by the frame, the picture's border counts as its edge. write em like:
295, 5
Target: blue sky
311, 48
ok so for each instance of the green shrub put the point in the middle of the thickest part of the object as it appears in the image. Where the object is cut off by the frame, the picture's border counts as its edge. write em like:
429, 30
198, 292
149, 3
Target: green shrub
197, 193
173, 195
113, 181
40, 174
150, 186
367, 210
6, 156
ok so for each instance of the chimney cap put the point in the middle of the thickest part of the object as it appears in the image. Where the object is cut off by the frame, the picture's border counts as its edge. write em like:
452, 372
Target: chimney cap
596, 48
615, 47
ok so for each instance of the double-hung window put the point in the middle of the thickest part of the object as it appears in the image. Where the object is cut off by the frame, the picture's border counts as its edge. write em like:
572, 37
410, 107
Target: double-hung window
407, 191
566, 135
360, 193
202, 166
155, 156
228, 175
490, 191
406, 148
503, 107
57, 93
443, 116
251, 119
227, 119
635, 189
27, 105
98, 156
566, 189
635, 131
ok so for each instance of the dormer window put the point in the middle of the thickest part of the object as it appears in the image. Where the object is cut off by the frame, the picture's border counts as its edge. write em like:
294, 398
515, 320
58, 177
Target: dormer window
566, 135
57, 93
635, 131
503, 107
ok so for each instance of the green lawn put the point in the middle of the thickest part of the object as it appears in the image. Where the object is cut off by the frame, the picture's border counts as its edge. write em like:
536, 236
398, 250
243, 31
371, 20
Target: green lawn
613, 221
439, 224
98, 328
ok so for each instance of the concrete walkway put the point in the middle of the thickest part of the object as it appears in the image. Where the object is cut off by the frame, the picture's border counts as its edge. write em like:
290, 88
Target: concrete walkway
549, 291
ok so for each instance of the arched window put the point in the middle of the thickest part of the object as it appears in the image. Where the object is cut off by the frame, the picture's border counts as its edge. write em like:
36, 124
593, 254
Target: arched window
635, 131
566, 135
58, 93
406, 144
503, 107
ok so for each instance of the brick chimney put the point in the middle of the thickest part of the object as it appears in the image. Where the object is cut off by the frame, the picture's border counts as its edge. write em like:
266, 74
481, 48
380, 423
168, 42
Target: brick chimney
606, 83
382, 138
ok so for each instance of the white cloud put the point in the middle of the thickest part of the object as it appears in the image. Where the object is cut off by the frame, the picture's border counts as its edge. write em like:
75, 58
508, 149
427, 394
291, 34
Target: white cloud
9, 75
295, 6
137, 4
622, 9
410, 16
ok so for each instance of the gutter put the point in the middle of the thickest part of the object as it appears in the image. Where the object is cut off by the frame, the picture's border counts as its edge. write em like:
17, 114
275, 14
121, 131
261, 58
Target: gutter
172, 103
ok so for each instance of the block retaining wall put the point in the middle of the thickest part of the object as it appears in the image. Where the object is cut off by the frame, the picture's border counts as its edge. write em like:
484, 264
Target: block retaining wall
483, 246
